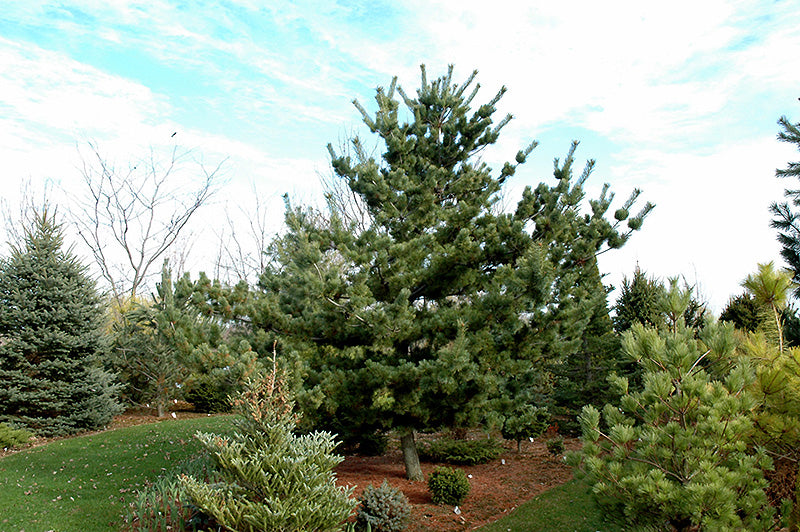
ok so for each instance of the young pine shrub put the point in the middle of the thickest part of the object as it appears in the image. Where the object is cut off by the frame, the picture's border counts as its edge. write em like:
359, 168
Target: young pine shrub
383, 509
11, 437
526, 421
461, 452
448, 486
271, 480
207, 397
218, 373
555, 446
675, 455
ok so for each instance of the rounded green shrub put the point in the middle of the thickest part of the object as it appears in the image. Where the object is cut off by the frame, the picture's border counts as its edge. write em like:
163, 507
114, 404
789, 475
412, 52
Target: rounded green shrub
11, 437
383, 509
373, 444
448, 486
525, 422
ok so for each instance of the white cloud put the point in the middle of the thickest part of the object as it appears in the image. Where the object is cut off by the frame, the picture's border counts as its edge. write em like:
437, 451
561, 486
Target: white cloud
673, 89
711, 222
48, 90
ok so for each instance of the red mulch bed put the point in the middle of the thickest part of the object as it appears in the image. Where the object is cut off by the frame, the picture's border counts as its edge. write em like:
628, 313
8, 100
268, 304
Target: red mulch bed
496, 488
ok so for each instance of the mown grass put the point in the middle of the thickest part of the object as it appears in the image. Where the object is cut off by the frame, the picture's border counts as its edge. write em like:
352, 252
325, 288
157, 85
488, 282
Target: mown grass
567, 508
86, 483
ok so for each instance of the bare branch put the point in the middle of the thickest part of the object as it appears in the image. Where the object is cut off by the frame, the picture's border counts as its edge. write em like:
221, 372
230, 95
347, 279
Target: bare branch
242, 256
130, 218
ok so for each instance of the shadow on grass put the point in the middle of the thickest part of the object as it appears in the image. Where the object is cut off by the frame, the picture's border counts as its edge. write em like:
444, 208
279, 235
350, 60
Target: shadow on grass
567, 508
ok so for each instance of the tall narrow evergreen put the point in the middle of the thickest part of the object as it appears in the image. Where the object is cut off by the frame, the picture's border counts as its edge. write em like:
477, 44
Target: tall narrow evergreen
434, 307
581, 376
786, 218
51, 338
639, 301
152, 342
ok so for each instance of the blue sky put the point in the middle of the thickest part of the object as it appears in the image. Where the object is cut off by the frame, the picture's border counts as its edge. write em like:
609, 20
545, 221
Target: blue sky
678, 98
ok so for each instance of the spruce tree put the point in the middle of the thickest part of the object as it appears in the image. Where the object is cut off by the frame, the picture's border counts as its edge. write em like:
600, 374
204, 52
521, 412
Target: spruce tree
51, 337
743, 312
434, 308
582, 376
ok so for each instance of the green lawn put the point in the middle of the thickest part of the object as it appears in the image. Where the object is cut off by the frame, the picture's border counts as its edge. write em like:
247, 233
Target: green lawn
567, 508
85, 483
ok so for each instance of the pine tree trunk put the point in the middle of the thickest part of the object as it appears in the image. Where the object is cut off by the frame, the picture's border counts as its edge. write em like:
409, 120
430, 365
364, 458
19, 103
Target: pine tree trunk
794, 520
410, 457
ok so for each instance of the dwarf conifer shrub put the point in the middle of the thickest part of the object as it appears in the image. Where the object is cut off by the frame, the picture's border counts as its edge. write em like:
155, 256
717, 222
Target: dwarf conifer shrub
461, 452
207, 397
383, 509
555, 446
373, 444
448, 486
11, 437
271, 480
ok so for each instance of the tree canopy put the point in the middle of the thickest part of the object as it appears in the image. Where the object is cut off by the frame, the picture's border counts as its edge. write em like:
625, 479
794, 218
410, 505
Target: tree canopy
435, 308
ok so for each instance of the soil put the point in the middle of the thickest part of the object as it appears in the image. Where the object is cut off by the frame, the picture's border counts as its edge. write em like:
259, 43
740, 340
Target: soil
497, 487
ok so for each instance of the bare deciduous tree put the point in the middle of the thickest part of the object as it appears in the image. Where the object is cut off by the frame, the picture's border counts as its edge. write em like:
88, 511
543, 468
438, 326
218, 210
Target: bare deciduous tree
130, 218
241, 256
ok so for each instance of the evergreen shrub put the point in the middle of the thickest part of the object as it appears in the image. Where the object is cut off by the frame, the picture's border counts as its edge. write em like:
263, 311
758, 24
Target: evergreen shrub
373, 444
448, 486
270, 479
11, 437
675, 454
220, 373
555, 446
208, 397
461, 452
383, 509
525, 422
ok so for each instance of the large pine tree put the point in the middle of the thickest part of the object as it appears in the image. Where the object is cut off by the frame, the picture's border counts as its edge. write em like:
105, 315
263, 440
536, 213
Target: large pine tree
433, 308
51, 337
